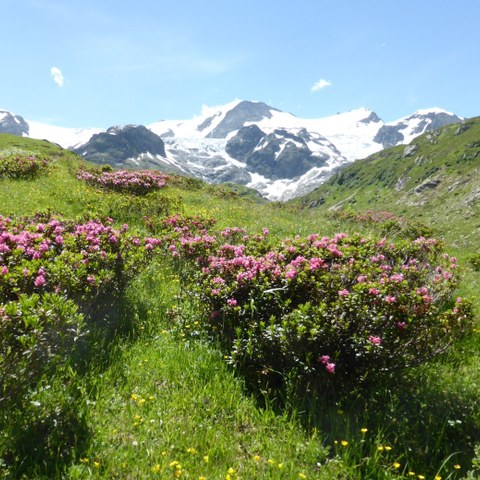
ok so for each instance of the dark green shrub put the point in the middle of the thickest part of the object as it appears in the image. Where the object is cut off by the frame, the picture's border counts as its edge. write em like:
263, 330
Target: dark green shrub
38, 333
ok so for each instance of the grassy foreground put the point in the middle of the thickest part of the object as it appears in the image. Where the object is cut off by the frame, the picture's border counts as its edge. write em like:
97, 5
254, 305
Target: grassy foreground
145, 400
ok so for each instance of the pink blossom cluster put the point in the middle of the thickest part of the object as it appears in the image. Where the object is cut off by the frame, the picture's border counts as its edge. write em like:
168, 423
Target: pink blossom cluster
21, 166
130, 181
50, 254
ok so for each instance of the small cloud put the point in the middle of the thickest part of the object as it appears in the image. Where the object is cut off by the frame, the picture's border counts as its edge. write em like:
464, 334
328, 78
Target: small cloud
322, 83
57, 76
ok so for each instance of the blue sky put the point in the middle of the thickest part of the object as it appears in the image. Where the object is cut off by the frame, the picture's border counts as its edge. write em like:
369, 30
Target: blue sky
102, 62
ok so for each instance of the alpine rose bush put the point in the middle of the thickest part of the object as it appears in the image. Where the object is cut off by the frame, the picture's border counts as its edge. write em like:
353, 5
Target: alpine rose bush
137, 182
53, 272
332, 312
21, 166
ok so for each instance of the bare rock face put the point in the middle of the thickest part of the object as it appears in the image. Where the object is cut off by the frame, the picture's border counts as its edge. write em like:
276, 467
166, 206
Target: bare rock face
13, 124
118, 144
390, 135
278, 155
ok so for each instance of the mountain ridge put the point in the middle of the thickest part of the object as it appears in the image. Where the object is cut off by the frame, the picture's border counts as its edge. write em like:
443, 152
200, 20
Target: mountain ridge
283, 157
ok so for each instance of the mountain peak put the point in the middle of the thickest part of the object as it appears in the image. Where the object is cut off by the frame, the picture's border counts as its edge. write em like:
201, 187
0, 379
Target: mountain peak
242, 112
13, 124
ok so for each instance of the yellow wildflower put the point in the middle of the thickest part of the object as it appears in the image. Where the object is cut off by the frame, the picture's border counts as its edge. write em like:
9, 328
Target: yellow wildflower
206, 459
457, 467
388, 448
96, 464
421, 477
191, 450
270, 461
257, 458
380, 448
302, 475
156, 468
280, 466
344, 443
396, 465
364, 430
438, 477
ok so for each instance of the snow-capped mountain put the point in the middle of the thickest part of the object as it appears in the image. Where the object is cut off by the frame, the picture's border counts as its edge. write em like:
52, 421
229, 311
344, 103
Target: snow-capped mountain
251, 143
277, 153
63, 136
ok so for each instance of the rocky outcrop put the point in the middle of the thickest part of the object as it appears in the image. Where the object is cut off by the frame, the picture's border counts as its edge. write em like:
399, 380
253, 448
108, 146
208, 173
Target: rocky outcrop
241, 146
389, 135
13, 124
278, 155
119, 144
420, 122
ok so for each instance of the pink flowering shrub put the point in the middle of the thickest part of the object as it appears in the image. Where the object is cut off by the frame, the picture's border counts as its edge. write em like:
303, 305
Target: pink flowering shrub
22, 166
136, 182
337, 311
49, 269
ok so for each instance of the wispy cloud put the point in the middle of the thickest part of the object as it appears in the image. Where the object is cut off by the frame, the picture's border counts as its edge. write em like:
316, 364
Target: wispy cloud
57, 76
322, 83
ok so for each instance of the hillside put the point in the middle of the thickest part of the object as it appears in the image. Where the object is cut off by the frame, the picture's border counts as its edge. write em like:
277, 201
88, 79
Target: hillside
435, 180
155, 326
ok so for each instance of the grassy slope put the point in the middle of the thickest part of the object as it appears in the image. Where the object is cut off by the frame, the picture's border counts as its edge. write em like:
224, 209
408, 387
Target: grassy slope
194, 407
391, 181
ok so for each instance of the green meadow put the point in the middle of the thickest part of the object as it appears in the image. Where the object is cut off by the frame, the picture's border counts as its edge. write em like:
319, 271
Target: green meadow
149, 388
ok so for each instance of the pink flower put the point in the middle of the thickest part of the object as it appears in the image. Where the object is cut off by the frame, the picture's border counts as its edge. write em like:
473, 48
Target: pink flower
91, 279
390, 299
39, 281
344, 293
427, 299
330, 367
324, 359
375, 340
292, 273
232, 302
373, 291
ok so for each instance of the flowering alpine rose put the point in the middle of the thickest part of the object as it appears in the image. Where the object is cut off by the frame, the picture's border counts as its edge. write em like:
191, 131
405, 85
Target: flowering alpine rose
137, 182
330, 367
291, 305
